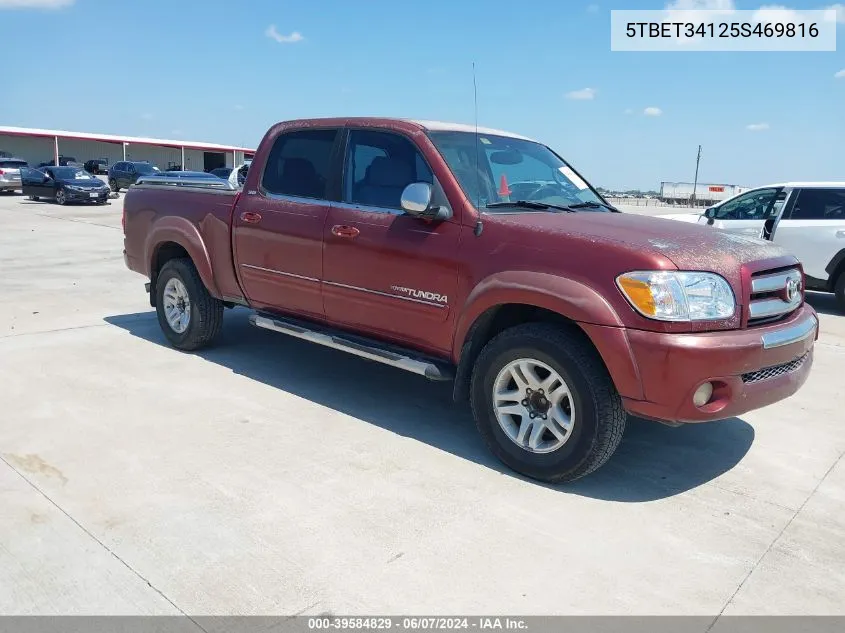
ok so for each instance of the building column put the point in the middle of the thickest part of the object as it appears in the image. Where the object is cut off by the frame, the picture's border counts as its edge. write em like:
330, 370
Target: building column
124, 150
183, 158
56, 149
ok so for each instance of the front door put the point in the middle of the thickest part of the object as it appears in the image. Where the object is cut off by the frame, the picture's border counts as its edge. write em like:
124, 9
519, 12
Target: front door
748, 212
32, 182
278, 224
387, 273
814, 229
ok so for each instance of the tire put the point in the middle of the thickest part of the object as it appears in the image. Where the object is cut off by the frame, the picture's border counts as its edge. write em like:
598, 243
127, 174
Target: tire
114, 186
204, 315
598, 419
61, 197
34, 198
839, 291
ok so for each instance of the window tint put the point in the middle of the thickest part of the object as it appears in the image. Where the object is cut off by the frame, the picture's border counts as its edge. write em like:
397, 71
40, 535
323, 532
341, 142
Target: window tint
379, 165
820, 204
299, 164
754, 205
13, 164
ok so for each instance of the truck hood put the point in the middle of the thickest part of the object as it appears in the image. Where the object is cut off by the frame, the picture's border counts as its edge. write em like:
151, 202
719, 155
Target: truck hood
680, 217
688, 246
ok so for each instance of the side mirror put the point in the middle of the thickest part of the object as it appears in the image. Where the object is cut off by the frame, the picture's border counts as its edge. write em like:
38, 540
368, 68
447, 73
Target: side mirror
710, 213
416, 201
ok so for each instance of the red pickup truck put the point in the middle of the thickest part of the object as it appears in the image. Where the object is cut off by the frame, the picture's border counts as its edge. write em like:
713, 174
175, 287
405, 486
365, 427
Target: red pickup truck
482, 257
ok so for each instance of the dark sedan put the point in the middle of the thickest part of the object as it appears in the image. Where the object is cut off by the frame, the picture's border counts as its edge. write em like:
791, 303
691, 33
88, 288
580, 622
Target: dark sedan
64, 185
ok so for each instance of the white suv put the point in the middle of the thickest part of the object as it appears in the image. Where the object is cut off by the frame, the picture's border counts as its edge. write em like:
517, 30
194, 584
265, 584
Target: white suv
806, 218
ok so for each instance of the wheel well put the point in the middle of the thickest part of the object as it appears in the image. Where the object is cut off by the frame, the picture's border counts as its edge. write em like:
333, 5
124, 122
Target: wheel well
163, 254
492, 322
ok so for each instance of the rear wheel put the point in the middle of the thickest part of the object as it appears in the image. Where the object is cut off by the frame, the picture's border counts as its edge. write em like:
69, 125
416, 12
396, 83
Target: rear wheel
545, 404
61, 197
839, 291
34, 198
188, 315
114, 186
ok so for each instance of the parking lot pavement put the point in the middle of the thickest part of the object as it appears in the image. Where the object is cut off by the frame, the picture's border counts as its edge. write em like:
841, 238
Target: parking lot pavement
270, 476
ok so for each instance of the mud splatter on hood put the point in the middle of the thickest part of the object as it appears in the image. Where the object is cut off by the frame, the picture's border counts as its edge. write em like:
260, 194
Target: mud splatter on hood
687, 246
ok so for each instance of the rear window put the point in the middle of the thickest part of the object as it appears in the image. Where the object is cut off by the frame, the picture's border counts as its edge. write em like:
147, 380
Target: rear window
13, 164
299, 163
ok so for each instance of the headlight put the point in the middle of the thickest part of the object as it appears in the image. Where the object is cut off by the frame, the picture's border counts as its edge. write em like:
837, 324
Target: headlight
678, 296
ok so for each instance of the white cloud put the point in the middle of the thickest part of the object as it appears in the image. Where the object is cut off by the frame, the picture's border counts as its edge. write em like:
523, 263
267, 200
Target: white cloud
273, 34
840, 11
652, 111
775, 13
238, 107
35, 4
840, 74
757, 127
724, 7
592, 8
585, 94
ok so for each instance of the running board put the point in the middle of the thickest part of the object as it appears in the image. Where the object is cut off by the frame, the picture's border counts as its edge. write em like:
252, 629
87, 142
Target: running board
431, 369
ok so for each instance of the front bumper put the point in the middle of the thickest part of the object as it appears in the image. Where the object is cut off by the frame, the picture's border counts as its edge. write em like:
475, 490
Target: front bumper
85, 196
749, 368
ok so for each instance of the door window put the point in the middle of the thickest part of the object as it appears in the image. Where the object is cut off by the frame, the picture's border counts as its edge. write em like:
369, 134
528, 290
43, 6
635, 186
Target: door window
299, 164
819, 204
379, 165
754, 205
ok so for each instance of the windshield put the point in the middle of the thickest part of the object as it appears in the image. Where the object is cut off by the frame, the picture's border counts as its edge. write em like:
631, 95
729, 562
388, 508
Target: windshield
71, 173
510, 170
145, 168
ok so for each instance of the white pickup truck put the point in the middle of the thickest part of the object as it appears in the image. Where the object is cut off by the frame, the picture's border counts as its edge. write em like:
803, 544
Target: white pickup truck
805, 218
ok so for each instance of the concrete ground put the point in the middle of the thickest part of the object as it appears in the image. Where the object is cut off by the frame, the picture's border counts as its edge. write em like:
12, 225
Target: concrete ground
267, 475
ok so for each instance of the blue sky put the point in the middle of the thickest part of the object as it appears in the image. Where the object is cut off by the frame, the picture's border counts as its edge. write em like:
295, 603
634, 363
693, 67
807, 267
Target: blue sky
217, 71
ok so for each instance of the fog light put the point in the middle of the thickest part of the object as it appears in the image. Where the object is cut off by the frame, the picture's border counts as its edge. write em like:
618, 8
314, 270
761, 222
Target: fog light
702, 394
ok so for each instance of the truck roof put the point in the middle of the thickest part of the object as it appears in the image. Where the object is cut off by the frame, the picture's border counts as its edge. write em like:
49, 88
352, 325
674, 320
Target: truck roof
397, 123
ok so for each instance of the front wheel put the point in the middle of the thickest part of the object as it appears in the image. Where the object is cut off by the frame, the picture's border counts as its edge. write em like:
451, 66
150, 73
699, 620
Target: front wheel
188, 315
114, 186
61, 197
545, 404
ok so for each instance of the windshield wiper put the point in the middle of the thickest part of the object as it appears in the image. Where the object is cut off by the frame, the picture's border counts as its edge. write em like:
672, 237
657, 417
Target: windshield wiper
594, 204
529, 204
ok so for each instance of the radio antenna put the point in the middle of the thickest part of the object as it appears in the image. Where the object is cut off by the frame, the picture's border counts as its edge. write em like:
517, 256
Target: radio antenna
478, 225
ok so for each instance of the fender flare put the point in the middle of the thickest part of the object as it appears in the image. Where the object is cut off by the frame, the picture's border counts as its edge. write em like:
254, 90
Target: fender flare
183, 232
836, 263
567, 297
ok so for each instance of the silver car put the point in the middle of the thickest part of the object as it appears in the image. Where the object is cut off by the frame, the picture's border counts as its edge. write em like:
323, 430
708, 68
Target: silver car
10, 173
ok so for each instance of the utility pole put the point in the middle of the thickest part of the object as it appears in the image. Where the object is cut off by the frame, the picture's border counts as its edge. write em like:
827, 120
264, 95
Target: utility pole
695, 182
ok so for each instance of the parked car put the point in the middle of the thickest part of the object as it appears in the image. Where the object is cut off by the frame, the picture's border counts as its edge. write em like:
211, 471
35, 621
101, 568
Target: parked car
125, 173
222, 172
174, 167
64, 185
64, 161
555, 314
97, 166
10, 173
805, 218
185, 178
237, 177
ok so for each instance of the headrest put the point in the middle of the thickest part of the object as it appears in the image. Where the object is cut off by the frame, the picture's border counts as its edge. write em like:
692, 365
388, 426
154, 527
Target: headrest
384, 172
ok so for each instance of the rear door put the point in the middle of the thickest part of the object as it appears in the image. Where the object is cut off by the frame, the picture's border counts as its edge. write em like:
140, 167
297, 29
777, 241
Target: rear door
814, 230
748, 212
278, 228
385, 272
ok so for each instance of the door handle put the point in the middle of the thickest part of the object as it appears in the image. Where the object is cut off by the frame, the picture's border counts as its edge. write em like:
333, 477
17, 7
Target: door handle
250, 217
341, 230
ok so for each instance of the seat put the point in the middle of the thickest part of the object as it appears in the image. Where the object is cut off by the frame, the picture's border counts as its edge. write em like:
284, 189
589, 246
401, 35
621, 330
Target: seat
383, 183
298, 178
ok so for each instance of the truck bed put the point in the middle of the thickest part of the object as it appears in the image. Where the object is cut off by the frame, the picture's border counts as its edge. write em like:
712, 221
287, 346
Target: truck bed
156, 213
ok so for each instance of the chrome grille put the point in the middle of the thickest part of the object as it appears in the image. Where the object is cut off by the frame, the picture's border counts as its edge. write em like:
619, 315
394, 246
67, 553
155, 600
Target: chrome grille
774, 295
768, 373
